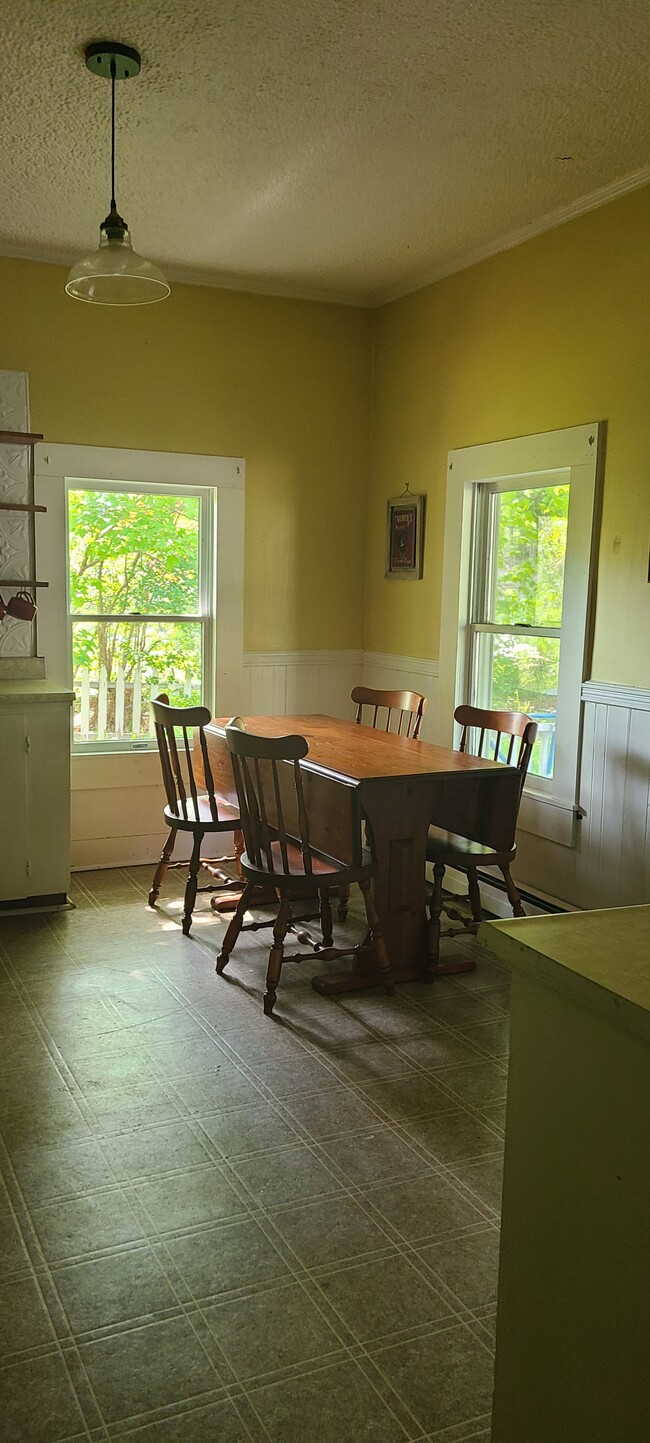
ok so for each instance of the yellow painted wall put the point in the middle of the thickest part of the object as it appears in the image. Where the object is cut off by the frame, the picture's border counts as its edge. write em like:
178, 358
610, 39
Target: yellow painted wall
283, 383
551, 334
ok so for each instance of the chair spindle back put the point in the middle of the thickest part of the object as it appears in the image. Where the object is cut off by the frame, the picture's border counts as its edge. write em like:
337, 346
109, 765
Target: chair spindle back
503, 724
272, 807
409, 705
177, 764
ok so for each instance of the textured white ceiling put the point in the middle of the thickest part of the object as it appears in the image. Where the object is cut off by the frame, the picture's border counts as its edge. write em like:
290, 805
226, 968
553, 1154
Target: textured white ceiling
345, 148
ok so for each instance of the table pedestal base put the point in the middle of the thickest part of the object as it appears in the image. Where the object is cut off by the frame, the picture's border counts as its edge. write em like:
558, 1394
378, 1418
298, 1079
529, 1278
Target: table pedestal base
262, 897
450, 966
354, 981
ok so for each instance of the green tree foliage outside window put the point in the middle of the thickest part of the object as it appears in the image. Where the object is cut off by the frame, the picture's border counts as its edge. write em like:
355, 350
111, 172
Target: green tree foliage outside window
527, 590
136, 553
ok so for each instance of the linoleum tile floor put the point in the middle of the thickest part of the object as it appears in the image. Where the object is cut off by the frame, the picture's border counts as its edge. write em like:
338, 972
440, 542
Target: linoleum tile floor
217, 1227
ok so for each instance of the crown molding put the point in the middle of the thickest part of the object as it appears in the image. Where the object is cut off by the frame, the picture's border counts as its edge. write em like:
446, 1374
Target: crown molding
186, 276
191, 276
216, 280
462, 261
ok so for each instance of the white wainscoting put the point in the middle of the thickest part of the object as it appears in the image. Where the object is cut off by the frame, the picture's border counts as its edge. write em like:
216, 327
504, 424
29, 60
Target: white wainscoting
117, 801
321, 681
404, 673
295, 682
608, 866
613, 856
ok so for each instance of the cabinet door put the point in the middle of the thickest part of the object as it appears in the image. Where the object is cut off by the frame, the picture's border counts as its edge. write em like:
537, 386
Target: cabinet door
48, 797
14, 877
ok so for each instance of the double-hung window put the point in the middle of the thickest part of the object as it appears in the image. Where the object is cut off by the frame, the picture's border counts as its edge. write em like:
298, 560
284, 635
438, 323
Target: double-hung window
141, 590
517, 606
520, 534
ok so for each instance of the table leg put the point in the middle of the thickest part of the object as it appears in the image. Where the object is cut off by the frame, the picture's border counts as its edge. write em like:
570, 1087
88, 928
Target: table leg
262, 897
397, 813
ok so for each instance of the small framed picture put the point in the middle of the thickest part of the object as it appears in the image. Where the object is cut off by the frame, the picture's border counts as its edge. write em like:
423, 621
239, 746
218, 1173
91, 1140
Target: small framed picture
405, 536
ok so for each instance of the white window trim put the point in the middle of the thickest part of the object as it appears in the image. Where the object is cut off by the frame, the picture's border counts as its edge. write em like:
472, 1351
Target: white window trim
224, 475
578, 452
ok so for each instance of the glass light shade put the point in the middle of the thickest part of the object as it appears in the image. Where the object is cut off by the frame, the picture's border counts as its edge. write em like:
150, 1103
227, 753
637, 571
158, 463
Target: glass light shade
115, 275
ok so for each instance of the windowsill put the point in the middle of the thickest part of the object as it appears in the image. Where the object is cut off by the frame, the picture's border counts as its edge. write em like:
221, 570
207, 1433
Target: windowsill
548, 817
97, 750
548, 800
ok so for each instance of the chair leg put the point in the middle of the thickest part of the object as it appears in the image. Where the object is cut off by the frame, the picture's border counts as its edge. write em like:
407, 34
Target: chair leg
192, 882
239, 848
377, 938
326, 917
474, 895
159, 874
276, 956
433, 947
344, 899
234, 927
513, 895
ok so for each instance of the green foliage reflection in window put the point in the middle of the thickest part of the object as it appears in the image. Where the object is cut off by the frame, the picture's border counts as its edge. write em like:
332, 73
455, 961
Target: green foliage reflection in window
135, 554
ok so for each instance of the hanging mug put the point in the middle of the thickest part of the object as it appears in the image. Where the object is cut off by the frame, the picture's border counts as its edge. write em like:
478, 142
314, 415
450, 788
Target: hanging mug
22, 606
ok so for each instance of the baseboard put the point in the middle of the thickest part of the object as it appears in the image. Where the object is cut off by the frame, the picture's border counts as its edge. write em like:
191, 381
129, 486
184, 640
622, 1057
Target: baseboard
100, 853
495, 897
47, 902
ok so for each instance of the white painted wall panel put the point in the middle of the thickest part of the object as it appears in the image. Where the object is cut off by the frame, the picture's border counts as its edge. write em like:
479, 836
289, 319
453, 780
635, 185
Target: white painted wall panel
635, 840
609, 866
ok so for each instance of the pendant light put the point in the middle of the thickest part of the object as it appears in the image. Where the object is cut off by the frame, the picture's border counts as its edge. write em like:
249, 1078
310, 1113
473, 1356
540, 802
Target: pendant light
115, 275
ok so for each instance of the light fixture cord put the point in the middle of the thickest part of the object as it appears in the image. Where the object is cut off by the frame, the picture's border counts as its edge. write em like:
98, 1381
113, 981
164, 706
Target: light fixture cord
113, 77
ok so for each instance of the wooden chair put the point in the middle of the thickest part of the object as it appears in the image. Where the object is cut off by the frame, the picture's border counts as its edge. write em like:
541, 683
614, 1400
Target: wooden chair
186, 809
278, 852
446, 849
410, 707
409, 704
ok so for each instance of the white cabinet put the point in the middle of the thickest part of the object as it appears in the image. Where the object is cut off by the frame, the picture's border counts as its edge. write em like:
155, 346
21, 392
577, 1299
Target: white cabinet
34, 792
573, 1323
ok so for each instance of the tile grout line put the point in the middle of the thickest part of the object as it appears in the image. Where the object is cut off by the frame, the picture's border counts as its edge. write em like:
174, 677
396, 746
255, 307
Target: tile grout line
280, 1106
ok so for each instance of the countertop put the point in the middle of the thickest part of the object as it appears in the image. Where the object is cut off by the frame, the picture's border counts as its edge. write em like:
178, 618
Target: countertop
600, 959
13, 693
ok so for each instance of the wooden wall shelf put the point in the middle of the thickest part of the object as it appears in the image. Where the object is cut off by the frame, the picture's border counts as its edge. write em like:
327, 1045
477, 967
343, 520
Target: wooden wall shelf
27, 439
20, 506
20, 438
23, 583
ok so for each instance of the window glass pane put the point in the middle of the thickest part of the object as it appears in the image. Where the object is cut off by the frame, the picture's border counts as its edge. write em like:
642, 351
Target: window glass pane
530, 530
119, 666
521, 674
133, 551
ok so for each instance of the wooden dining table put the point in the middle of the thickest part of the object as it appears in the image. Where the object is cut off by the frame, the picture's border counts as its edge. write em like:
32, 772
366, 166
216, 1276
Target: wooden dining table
399, 788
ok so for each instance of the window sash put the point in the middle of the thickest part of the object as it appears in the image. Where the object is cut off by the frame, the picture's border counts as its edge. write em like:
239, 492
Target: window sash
519, 629
135, 617
205, 617
484, 545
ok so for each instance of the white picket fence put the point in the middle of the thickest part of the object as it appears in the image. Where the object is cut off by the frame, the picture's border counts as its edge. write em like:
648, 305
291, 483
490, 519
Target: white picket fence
107, 708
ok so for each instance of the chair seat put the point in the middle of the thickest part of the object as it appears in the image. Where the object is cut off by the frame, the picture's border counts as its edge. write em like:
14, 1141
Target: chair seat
228, 816
456, 851
326, 871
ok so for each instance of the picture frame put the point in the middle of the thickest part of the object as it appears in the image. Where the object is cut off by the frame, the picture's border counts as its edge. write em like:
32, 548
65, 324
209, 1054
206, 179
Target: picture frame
405, 519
